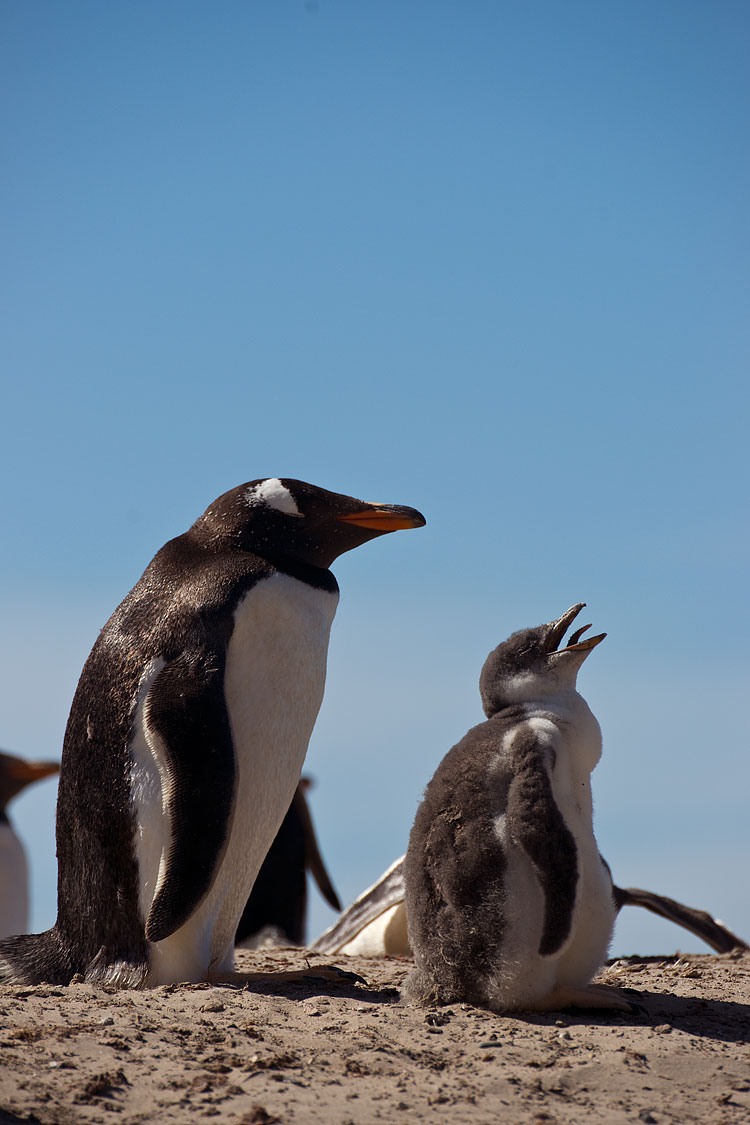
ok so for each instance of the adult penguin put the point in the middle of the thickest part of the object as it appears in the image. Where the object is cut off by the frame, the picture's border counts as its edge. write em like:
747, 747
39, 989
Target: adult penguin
187, 735
15, 775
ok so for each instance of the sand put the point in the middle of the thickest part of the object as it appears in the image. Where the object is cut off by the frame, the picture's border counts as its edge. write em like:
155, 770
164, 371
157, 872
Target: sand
318, 1051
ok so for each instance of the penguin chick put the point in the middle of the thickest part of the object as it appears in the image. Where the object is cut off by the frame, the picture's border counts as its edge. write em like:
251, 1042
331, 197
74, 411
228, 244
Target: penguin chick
187, 734
15, 775
508, 902
278, 900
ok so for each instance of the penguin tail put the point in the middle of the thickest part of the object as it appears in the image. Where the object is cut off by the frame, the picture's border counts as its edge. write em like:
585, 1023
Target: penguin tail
35, 959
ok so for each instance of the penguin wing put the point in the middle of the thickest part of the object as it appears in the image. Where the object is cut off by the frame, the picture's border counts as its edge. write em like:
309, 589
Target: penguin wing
699, 922
537, 825
188, 728
381, 896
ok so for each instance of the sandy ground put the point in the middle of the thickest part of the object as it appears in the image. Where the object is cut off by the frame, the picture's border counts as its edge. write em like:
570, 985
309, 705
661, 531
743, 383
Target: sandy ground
316, 1051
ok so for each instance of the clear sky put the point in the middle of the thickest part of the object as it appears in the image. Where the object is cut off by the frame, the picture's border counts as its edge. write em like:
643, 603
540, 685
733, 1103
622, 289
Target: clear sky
488, 259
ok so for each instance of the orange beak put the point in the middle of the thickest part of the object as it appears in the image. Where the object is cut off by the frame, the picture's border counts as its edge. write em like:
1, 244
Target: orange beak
33, 771
385, 517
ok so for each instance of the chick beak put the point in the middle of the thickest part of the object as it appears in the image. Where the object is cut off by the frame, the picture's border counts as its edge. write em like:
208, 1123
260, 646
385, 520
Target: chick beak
575, 644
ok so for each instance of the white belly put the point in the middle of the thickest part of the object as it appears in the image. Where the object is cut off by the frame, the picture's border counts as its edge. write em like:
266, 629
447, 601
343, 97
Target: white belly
273, 683
594, 916
525, 976
14, 887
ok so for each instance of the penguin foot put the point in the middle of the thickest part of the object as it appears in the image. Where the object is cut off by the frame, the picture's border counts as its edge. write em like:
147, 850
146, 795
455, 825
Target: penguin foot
601, 996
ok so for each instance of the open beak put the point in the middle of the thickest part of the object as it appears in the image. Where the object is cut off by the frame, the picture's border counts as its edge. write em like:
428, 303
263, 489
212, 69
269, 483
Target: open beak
575, 644
385, 517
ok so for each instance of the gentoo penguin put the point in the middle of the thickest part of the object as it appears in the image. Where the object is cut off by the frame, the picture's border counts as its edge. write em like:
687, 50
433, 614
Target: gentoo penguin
508, 902
187, 735
278, 901
15, 775
374, 925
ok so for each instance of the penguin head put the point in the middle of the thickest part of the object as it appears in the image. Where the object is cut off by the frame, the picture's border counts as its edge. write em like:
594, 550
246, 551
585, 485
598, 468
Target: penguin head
280, 518
532, 665
17, 773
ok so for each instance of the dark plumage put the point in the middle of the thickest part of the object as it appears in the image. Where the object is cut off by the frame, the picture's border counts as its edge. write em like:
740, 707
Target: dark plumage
165, 782
508, 904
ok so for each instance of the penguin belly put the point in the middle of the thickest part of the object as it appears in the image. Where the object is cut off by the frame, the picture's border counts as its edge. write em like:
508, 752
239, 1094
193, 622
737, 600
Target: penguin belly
526, 976
14, 887
273, 686
595, 910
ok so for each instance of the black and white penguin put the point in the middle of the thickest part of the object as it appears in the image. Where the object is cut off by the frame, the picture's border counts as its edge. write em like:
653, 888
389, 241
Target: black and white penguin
508, 902
187, 735
15, 775
277, 907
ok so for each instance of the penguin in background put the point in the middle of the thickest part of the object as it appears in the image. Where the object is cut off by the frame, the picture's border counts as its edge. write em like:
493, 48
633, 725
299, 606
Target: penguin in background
509, 904
277, 906
374, 925
187, 734
15, 775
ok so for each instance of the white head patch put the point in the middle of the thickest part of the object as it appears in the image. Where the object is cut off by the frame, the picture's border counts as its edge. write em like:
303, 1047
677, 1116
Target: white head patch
273, 494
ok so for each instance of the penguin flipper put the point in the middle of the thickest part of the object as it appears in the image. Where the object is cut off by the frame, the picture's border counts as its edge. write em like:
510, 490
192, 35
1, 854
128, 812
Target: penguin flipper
535, 822
188, 729
698, 922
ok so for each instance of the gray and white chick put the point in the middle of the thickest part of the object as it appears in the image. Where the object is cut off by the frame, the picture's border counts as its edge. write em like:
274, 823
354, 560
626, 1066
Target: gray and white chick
509, 904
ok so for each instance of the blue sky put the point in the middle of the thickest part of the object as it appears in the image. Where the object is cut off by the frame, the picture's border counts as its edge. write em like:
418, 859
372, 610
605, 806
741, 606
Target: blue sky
487, 259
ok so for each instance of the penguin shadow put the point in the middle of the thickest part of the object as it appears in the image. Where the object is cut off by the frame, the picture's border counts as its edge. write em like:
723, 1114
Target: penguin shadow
311, 983
726, 1021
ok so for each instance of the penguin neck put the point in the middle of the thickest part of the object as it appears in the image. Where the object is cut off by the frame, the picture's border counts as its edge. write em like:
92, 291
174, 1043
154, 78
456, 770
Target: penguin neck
578, 724
316, 576
566, 710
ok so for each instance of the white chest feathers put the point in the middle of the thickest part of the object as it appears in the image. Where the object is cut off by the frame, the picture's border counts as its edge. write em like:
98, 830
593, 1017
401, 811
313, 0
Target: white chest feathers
273, 685
275, 674
14, 889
